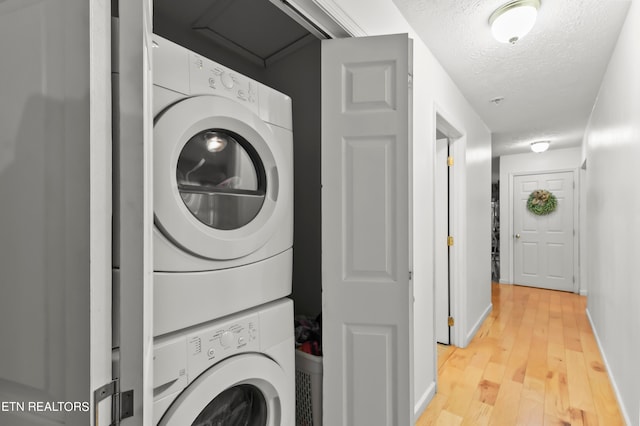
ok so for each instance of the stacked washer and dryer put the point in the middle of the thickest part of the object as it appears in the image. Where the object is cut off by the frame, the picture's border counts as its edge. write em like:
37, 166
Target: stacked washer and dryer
223, 206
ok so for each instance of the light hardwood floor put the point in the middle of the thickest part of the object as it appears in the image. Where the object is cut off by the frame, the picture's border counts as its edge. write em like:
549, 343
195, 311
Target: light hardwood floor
534, 361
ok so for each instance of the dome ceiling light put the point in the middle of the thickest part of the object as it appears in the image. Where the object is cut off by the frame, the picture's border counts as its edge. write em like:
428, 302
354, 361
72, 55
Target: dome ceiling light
513, 20
540, 146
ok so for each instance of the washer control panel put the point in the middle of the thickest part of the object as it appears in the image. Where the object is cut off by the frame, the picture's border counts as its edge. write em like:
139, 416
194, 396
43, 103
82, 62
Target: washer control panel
209, 346
209, 77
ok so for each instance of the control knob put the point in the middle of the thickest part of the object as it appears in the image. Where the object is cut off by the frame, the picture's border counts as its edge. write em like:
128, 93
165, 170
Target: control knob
226, 339
227, 80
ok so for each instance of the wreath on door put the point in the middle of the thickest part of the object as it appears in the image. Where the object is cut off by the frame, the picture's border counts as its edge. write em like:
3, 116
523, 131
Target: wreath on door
541, 202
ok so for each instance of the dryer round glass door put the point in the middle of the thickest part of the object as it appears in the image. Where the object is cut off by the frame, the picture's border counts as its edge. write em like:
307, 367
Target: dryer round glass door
221, 179
217, 172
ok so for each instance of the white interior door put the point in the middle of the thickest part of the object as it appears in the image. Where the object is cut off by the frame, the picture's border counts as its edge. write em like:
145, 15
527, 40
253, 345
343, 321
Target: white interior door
441, 247
367, 293
55, 217
543, 245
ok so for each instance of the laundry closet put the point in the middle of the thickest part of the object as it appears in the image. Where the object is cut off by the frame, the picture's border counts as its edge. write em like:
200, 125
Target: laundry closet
223, 77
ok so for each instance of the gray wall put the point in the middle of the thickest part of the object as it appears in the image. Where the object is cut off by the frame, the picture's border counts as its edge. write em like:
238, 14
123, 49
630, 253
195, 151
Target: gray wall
298, 75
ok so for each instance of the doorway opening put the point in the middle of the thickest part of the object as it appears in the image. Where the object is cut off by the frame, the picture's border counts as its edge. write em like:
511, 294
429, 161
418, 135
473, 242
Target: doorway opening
446, 228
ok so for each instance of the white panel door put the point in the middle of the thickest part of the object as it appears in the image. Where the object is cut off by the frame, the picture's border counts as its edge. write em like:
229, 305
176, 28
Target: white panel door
55, 213
441, 248
543, 245
367, 294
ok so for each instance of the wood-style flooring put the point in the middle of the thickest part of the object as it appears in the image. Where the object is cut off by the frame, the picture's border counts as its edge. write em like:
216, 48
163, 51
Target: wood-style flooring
534, 361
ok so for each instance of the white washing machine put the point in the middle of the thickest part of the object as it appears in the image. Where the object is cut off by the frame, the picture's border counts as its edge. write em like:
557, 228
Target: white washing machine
223, 190
235, 371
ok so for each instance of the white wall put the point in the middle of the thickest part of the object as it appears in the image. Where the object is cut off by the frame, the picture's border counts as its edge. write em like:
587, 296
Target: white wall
433, 91
510, 165
612, 148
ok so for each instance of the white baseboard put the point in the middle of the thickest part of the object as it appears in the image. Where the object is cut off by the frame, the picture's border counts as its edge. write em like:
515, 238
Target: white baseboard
503, 281
424, 400
477, 325
616, 390
584, 292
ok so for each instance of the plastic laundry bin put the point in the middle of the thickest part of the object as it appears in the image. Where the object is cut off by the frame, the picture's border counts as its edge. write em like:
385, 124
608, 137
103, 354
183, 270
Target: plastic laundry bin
308, 389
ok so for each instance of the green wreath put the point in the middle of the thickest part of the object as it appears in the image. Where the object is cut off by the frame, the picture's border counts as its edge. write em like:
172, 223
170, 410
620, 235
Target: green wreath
541, 202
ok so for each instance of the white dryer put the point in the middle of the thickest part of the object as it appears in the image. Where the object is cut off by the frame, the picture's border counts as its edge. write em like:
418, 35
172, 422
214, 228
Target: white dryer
223, 190
235, 371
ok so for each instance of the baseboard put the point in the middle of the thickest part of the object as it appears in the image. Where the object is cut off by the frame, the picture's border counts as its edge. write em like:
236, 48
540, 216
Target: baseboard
477, 325
584, 292
424, 401
503, 281
616, 390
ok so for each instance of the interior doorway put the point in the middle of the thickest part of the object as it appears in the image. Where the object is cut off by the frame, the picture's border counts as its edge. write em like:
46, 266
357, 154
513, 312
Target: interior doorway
445, 228
442, 231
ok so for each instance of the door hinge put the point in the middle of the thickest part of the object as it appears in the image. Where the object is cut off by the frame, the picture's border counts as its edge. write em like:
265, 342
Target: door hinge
451, 322
449, 161
121, 402
410, 275
449, 240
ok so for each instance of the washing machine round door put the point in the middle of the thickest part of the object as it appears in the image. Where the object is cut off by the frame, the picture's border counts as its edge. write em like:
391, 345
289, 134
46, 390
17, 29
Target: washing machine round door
216, 178
247, 390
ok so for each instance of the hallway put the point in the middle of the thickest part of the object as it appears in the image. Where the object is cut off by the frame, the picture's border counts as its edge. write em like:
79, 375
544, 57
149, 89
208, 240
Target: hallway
534, 361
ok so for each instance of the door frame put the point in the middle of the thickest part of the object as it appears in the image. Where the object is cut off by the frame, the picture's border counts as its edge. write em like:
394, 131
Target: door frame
442, 224
457, 225
133, 364
101, 206
576, 221
324, 19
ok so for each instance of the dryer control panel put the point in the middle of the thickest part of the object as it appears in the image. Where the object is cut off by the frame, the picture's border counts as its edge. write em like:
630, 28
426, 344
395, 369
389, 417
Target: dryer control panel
209, 346
209, 77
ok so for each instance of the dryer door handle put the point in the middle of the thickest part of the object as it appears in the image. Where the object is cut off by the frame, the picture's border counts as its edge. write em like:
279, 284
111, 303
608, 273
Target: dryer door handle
273, 184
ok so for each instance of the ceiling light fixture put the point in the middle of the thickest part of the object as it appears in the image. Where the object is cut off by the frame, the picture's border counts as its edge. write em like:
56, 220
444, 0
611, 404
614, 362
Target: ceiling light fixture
512, 21
214, 141
540, 146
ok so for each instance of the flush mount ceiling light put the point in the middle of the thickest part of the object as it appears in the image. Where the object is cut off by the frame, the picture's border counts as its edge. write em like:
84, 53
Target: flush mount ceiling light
512, 21
540, 146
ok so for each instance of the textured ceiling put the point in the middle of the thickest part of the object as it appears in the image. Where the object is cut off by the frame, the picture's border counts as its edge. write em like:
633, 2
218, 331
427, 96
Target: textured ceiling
549, 79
